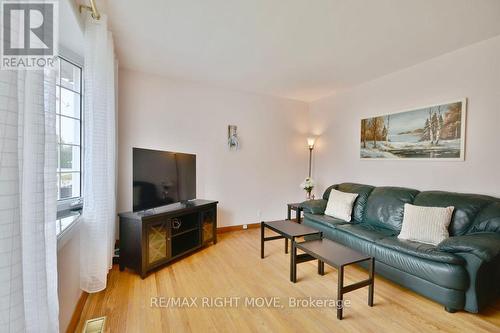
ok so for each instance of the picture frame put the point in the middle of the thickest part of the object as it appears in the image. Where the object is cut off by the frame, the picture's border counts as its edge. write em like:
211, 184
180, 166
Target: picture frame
435, 132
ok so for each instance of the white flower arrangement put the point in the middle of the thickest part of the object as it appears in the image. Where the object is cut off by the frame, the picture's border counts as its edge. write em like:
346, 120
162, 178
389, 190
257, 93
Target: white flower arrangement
307, 184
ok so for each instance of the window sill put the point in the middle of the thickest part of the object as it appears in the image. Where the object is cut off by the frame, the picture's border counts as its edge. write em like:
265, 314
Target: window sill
67, 226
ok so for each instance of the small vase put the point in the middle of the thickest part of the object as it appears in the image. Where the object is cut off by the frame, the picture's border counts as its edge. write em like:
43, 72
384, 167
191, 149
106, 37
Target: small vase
308, 195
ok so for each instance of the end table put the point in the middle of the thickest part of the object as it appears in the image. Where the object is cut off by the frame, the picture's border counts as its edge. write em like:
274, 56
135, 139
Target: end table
298, 211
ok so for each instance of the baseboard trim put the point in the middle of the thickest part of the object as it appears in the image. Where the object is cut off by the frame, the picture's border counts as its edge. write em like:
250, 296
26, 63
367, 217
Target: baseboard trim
221, 230
75, 318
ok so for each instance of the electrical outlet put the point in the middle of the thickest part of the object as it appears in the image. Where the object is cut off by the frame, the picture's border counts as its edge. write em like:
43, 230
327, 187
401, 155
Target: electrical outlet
245, 226
259, 214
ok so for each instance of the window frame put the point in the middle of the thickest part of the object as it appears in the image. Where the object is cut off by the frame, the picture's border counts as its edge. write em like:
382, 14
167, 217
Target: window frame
67, 203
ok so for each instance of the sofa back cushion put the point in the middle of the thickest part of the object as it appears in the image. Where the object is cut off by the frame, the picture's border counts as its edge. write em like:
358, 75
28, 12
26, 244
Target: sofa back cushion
467, 207
359, 206
385, 206
488, 219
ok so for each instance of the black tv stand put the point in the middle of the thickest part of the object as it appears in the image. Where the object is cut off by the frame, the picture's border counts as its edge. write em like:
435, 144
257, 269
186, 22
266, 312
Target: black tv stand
153, 238
188, 203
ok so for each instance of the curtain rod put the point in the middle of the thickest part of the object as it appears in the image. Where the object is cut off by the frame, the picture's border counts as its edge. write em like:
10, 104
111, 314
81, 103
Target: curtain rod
92, 8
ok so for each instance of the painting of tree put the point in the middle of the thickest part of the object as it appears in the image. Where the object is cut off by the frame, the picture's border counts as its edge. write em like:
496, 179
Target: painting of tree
376, 127
364, 129
434, 132
452, 122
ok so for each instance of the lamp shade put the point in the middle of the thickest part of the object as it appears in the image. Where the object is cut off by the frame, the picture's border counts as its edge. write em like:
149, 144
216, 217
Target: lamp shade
310, 142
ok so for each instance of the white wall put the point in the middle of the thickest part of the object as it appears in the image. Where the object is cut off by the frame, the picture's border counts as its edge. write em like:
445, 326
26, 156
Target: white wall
472, 72
163, 114
68, 274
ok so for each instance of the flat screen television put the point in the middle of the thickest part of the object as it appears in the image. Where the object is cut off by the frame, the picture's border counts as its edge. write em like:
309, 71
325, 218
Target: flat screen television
162, 177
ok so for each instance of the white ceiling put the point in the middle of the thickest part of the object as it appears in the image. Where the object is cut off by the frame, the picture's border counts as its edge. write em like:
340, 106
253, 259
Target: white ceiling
300, 49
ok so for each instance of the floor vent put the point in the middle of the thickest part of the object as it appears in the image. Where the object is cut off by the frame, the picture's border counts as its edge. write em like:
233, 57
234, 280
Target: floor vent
95, 325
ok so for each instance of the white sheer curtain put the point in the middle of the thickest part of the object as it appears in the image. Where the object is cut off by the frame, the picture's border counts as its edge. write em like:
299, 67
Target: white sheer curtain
28, 200
99, 171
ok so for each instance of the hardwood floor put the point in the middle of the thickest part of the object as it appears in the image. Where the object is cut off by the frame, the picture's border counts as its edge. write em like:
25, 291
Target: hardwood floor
233, 268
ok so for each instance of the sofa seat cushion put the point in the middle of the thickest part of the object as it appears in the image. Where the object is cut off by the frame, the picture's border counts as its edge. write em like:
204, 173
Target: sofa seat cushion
366, 231
443, 274
324, 219
353, 242
421, 250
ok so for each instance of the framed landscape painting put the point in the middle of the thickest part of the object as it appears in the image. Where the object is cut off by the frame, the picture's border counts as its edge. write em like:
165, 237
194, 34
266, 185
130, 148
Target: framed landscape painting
430, 133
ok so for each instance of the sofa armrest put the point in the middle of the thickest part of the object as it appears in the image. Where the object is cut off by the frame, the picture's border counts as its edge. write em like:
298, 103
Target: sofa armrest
314, 206
485, 245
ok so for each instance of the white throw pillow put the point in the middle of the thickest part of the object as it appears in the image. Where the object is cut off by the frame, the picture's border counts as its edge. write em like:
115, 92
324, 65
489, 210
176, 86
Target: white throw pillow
426, 224
340, 205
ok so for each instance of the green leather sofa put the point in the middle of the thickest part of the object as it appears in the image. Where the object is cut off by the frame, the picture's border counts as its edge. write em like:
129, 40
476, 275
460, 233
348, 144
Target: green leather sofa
462, 272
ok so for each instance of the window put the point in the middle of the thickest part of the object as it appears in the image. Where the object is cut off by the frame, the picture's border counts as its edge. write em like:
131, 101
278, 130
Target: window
69, 130
69, 141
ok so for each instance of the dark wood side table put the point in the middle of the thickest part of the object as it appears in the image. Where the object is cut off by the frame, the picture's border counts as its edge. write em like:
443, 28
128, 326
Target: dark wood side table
338, 256
298, 211
287, 230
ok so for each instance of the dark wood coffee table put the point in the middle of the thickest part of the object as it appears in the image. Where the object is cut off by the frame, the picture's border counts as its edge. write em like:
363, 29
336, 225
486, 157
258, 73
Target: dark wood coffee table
338, 256
287, 230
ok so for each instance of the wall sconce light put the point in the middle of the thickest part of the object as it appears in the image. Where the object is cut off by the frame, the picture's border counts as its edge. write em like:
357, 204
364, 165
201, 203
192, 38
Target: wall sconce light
233, 140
